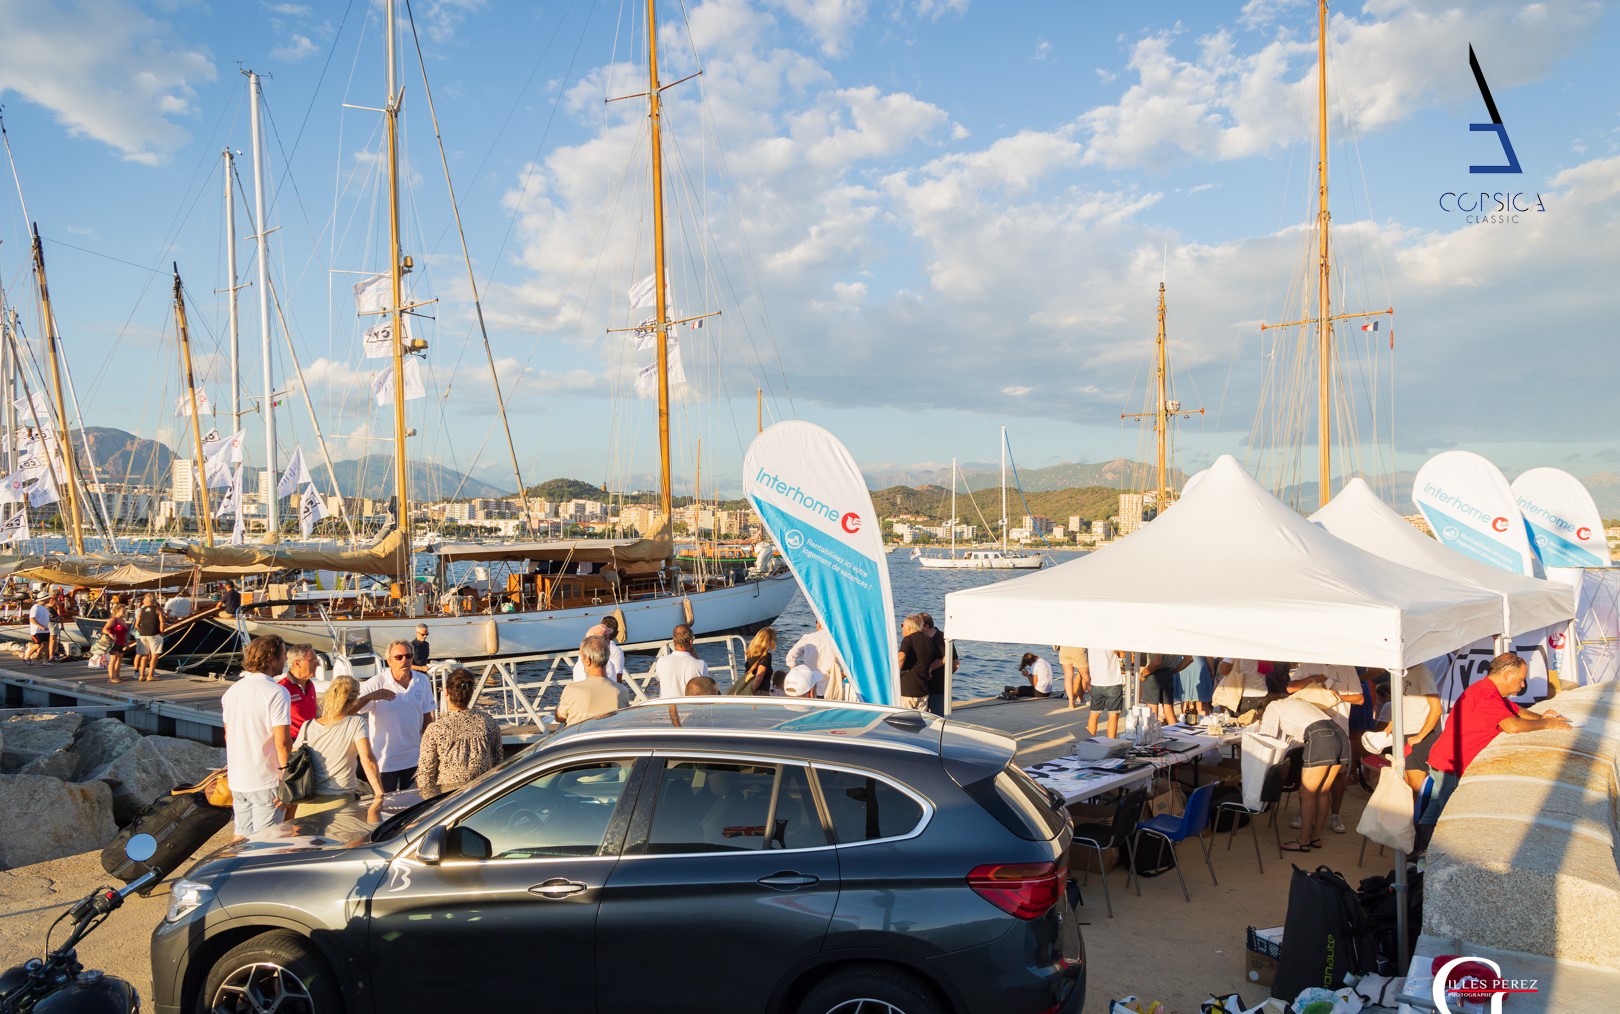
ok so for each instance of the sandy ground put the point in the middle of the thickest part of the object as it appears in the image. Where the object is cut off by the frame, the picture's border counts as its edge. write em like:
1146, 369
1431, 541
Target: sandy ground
1157, 947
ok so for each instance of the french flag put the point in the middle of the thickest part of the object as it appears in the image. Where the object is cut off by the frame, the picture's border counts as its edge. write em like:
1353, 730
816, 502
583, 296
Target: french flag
1370, 327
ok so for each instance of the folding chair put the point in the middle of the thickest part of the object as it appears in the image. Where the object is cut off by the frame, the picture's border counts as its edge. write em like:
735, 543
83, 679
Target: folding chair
1271, 789
1115, 834
1192, 823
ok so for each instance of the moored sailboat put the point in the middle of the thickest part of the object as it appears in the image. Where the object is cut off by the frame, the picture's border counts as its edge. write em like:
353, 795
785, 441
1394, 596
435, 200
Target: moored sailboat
1003, 558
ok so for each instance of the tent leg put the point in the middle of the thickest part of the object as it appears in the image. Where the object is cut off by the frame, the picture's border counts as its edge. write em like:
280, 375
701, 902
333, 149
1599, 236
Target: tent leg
950, 658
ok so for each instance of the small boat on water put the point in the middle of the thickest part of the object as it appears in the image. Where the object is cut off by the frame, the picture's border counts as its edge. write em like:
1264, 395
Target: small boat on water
982, 559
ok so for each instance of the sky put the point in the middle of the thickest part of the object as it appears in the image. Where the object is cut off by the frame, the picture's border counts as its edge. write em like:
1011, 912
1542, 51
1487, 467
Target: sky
916, 220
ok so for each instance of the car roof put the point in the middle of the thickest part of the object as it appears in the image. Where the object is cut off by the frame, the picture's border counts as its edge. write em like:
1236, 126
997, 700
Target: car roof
807, 721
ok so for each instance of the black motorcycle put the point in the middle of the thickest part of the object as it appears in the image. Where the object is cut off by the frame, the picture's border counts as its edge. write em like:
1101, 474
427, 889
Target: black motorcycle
58, 984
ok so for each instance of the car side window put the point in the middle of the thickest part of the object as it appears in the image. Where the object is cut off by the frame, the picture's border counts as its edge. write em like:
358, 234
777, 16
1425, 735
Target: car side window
708, 806
865, 808
563, 812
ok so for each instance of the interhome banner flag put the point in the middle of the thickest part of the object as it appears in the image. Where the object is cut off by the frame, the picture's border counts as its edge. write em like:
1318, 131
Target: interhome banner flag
15, 528
1471, 508
1565, 526
296, 475
813, 500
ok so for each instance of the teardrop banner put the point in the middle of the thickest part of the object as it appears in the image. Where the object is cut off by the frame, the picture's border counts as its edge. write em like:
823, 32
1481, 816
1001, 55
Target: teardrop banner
1565, 525
1471, 508
811, 496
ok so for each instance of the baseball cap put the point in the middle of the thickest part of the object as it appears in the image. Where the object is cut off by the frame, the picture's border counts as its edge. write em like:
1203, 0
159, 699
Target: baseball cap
797, 682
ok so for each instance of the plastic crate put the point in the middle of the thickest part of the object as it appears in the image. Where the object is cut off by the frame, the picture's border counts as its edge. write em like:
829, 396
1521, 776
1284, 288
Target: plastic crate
1265, 941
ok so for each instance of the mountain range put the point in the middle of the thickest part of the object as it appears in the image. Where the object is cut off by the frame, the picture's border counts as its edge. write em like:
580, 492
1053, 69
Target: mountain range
1120, 473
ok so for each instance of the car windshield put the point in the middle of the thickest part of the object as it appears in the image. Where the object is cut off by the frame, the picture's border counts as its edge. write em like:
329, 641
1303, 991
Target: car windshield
426, 812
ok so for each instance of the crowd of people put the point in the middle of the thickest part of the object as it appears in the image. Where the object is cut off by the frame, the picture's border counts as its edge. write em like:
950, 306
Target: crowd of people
137, 621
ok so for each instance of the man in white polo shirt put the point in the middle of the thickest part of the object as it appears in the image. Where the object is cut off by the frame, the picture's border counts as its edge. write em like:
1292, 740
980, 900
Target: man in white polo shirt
257, 714
1104, 676
679, 665
399, 706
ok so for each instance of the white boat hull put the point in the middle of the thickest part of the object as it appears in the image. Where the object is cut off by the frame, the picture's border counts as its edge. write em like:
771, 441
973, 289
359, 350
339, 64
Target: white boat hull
743, 606
982, 562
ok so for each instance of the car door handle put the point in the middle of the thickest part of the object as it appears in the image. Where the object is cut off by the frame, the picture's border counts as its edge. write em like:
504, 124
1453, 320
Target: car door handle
788, 881
557, 888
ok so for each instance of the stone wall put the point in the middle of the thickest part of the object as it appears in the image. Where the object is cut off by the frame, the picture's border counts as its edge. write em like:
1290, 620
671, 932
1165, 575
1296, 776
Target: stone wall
67, 785
1525, 857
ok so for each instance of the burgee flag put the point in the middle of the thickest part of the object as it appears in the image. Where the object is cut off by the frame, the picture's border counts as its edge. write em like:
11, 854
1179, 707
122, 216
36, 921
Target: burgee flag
310, 510
15, 528
296, 475
373, 294
382, 385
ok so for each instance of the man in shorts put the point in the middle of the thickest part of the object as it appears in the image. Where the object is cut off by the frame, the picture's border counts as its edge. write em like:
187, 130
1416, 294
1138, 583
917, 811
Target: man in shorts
150, 622
39, 629
1104, 677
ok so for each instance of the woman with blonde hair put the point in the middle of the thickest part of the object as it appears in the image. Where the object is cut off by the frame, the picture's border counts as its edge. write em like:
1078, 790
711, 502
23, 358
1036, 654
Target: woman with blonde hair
336, 738
758, 667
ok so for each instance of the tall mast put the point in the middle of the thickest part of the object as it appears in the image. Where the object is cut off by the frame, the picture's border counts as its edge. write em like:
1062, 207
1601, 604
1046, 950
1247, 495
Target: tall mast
1004, 524
396, 273
1324, 393
230, 290
199, 477
1161, 427
53, 342
953, 508
8, 390
660, 268
1164, 409
272, 520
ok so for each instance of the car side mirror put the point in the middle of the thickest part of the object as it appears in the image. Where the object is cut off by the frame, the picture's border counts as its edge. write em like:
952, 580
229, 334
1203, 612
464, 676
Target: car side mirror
431, 851
468, 844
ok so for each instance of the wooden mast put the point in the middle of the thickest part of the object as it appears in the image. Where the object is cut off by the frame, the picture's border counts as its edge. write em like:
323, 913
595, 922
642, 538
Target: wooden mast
1164, 410
200, 474
396, 271
1324, 393
660, 268
53, 343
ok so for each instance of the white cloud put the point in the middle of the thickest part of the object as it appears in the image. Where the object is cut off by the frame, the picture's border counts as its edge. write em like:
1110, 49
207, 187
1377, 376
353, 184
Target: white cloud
442, 18
106, 70
1043, 49
831, 22
297, 47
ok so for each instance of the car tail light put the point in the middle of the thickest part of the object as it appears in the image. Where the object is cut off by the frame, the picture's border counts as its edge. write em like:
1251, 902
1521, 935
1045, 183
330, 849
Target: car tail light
1025, 890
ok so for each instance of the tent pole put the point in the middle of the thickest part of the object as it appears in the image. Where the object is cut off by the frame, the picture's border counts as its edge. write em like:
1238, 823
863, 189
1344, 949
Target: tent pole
1397, 769
950, 653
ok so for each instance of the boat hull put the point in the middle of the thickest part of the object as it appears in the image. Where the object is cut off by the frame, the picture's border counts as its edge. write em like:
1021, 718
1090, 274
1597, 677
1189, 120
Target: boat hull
740, 607
987, 563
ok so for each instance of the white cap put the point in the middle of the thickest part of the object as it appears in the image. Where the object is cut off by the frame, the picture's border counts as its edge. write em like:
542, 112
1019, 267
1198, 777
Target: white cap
798, 682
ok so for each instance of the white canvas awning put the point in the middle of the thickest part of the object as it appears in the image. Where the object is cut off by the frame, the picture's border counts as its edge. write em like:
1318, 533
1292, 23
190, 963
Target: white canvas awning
1231, 571
1357, 516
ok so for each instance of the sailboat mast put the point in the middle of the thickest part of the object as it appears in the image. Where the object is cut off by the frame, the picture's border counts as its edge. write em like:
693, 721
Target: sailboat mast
1162, 416
199, 477
1324, 394
1003, 489
230, 289
272, 520
396, 274
660, 268
53, 343
8, 391
953, 508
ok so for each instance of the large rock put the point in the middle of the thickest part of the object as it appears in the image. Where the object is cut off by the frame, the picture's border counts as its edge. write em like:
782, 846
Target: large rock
100, 743
30, 737
151, 768
53, 765
47, 818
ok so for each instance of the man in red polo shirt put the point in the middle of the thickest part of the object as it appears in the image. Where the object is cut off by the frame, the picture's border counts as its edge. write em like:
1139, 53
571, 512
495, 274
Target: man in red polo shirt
300, 673
1482, 713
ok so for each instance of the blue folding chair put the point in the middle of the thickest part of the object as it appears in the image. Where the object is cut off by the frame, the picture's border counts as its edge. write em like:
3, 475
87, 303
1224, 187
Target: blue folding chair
1191, 824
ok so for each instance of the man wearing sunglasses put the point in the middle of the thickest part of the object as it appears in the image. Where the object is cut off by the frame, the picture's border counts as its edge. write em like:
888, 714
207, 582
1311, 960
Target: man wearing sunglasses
398, 705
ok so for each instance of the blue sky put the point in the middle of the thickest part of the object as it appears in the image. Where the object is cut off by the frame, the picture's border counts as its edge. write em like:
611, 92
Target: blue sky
920, 219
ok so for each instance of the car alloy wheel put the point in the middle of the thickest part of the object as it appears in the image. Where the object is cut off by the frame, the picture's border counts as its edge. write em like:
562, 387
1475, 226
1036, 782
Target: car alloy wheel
866, 1006
262, 988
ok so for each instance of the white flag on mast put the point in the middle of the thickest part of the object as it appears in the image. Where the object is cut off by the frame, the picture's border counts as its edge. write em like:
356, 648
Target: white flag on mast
382, 385
379, 341
13, 488
43, 491
34, 408
641, 293
15, 528
296, 475
239, 531
232, 500
374, 294
182, 404
646, 334
647, 376
310, 510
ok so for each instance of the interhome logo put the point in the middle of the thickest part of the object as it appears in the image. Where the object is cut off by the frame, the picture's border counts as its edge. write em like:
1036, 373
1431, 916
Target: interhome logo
1470, 982
849, 521
1500, 207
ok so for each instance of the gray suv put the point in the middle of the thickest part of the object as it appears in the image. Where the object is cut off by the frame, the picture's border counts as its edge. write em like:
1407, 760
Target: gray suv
710, 854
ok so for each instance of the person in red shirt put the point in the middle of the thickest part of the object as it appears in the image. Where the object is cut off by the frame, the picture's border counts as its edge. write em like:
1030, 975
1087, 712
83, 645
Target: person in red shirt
300, 672
1482, 713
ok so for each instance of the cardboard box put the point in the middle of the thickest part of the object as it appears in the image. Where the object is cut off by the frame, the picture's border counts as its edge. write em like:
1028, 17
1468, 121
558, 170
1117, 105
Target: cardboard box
1084, 858
1263, 947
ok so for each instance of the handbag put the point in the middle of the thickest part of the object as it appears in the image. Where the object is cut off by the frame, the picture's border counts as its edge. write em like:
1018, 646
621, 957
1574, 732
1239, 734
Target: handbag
1387, 818
298, 777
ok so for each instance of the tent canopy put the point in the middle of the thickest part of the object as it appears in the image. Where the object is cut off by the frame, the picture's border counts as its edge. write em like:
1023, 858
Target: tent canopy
1230, 570
1357, 516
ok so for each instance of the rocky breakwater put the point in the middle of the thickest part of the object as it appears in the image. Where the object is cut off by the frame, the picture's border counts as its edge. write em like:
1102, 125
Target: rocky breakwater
68, 784
1527, 855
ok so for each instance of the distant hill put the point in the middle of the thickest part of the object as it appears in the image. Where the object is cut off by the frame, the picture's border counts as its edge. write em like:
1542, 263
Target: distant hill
1094, 503
1605, 489
121, 456
373, 476
559, 490
1121, 473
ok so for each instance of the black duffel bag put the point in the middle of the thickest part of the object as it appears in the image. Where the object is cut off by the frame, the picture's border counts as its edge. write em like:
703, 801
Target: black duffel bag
1325, 936
180, 823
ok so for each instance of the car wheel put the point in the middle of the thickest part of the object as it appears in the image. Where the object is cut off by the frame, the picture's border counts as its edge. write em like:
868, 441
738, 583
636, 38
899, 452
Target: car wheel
276, 972
870, 989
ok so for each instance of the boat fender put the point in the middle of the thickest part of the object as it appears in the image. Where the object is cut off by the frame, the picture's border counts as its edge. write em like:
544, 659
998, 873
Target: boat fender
492, 638
618, 615
686, 607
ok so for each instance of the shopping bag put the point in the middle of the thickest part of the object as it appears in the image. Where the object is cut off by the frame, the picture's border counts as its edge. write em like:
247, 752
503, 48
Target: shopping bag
1260, 753
1131, 1005
1387, 819
1229, 692
1169, 799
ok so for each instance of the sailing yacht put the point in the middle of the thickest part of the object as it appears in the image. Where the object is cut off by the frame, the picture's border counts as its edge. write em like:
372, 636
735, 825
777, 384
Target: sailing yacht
982, 558
532, 597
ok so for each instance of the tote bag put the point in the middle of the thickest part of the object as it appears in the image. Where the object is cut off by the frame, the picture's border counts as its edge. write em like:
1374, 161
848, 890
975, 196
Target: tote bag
1260, 754
1387, 820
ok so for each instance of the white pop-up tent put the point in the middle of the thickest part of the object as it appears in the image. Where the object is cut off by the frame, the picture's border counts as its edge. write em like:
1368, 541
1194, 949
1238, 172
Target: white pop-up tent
1232, 571
1357, 516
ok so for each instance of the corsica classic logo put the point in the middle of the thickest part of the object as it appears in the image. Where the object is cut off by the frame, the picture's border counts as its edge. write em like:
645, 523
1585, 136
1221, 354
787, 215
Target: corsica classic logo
1499, 207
